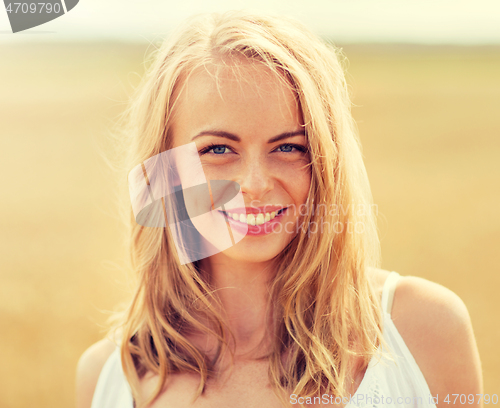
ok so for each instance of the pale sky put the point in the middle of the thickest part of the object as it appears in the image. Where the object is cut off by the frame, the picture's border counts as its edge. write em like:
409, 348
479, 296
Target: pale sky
414, 21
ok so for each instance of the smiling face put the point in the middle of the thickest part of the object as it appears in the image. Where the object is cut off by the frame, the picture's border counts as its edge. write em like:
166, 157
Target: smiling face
248, 128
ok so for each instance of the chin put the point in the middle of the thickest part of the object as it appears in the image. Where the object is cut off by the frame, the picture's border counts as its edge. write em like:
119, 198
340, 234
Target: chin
256, 250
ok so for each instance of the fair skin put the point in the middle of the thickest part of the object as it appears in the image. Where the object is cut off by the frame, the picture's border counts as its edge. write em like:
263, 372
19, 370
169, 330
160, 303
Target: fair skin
432, 320
255, 111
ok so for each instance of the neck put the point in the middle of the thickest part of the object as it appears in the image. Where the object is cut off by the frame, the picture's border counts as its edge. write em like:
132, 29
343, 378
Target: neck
242, 288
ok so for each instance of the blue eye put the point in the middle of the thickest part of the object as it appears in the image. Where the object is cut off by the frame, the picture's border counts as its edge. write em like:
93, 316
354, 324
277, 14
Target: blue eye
286, 148
219, 149
215, 149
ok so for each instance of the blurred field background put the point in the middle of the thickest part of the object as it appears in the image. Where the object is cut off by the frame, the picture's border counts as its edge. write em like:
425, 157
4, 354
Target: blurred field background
429, 124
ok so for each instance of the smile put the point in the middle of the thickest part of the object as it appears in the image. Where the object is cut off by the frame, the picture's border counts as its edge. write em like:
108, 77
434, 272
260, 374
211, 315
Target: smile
254, 219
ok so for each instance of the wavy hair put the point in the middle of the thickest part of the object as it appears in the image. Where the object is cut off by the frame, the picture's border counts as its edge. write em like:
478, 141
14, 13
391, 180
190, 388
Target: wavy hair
324, 311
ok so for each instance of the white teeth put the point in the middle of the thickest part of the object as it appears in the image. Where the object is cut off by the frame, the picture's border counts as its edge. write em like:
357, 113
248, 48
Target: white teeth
253, 219
259, 220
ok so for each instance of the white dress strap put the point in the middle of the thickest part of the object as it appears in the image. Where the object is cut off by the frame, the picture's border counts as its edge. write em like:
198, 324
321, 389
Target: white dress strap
388, 291
112, 389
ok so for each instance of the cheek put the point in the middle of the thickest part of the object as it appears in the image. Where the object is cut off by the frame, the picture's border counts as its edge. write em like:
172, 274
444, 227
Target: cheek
296, 177
218, 172
186, 161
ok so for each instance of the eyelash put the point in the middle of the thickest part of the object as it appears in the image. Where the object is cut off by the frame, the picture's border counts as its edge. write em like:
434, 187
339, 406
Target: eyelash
207, 149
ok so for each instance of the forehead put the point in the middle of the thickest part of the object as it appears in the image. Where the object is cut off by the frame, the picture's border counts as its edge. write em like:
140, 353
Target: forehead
246, 98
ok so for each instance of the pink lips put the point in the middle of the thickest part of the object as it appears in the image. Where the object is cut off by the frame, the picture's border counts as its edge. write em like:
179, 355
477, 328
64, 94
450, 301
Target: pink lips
255, 210
254, 230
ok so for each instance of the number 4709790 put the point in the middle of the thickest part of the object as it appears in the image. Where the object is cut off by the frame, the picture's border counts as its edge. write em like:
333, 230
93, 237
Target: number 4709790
471, 398
32, 8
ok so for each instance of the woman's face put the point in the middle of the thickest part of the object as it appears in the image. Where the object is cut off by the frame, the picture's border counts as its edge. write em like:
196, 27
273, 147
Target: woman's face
248, 128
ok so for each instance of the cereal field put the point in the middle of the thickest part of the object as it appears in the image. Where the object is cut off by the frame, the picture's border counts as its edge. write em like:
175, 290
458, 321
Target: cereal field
429, 124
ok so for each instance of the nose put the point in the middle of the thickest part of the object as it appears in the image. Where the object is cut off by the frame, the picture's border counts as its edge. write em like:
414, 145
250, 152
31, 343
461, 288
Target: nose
255, 180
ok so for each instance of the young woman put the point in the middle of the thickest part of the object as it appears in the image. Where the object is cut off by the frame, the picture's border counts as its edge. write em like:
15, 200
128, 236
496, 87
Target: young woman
291, 309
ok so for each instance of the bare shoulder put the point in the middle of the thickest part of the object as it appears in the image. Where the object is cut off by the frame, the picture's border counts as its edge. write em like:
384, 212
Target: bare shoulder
88, 369
377, 278
435, 325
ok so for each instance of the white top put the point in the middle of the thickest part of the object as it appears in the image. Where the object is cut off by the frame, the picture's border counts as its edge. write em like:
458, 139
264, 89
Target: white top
386, 383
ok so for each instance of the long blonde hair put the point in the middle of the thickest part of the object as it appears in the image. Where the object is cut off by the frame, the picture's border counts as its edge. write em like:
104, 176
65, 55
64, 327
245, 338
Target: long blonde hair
324, 310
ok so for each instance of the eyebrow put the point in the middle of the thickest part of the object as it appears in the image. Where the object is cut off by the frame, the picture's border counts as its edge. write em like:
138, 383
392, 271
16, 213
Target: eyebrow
232, 136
